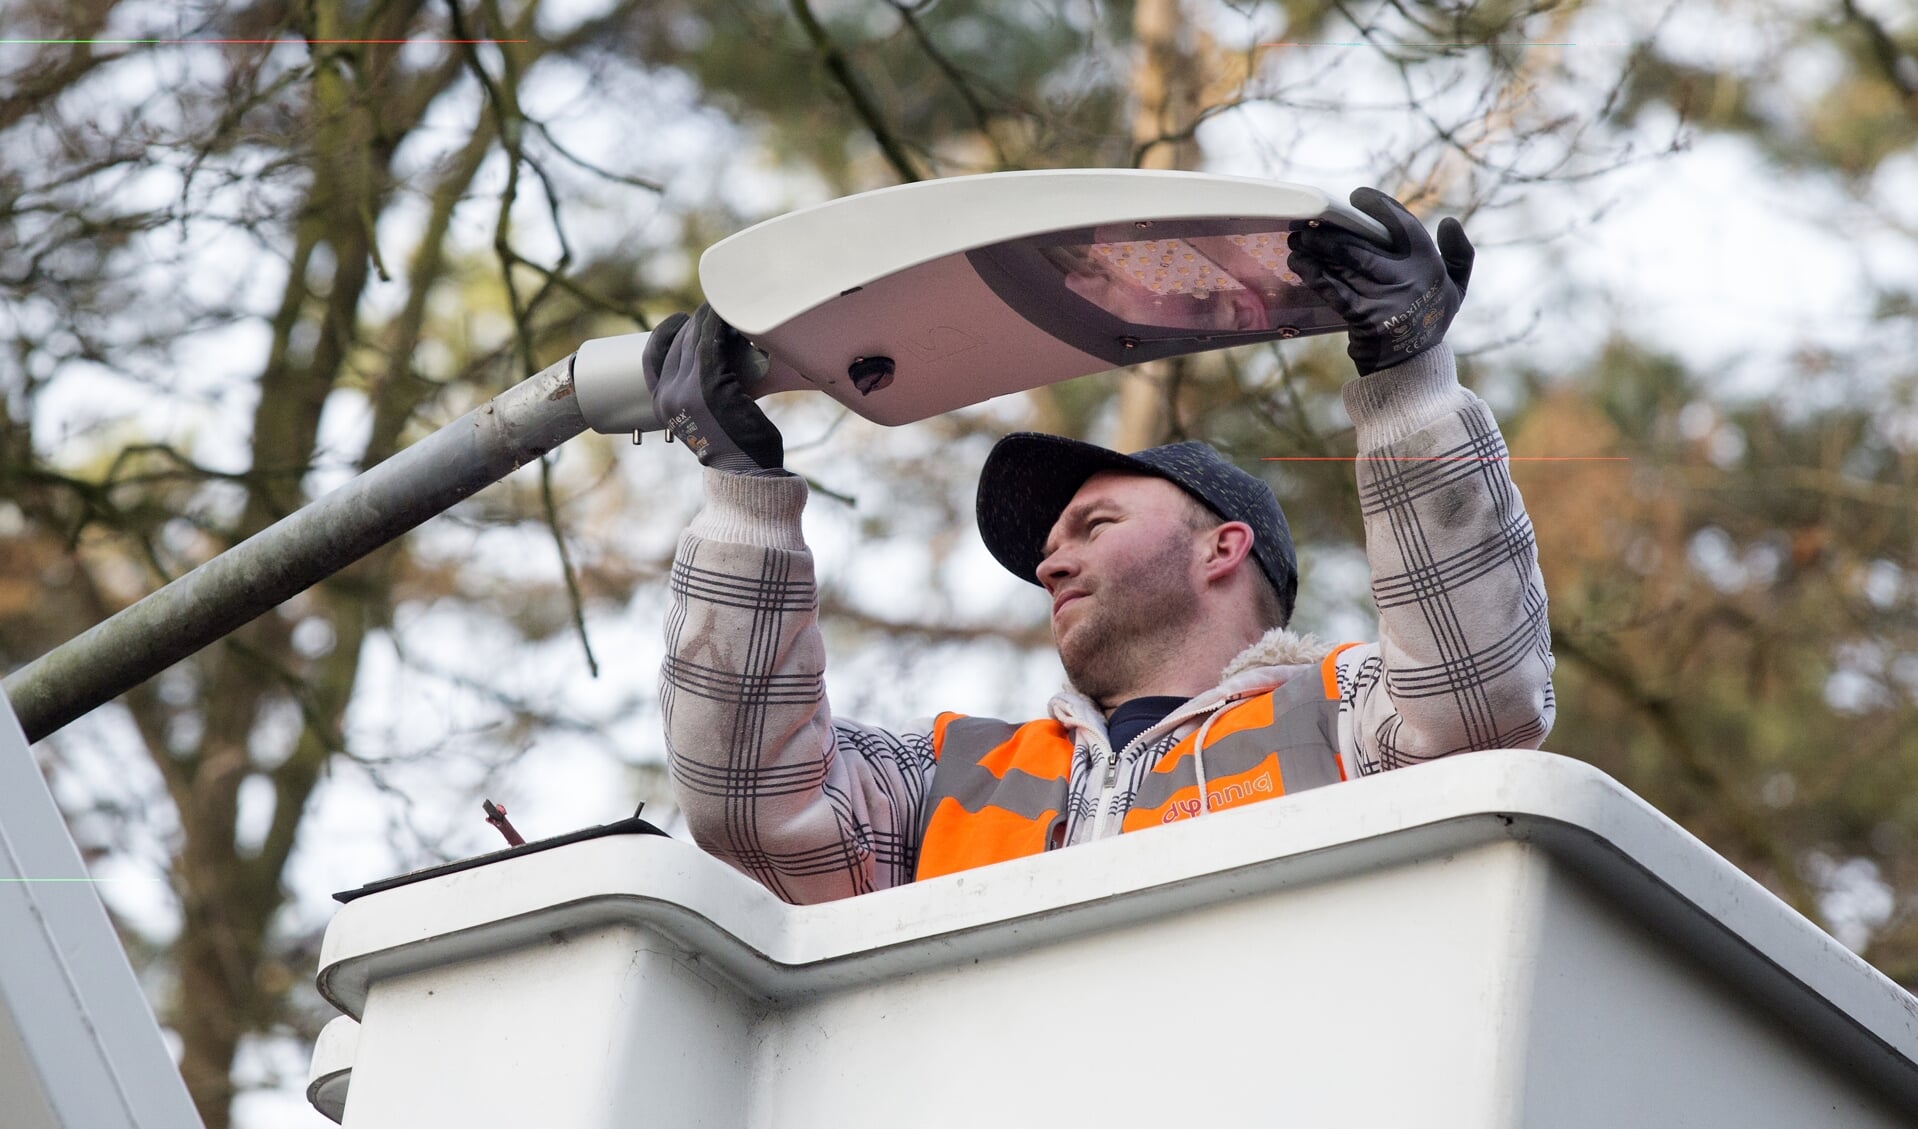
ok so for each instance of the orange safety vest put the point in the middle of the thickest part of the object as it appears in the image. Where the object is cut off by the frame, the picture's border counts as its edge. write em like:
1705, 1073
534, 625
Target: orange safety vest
1000, 789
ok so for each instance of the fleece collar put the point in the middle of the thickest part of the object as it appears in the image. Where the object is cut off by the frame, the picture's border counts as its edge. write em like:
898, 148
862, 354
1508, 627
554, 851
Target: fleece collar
1268, 663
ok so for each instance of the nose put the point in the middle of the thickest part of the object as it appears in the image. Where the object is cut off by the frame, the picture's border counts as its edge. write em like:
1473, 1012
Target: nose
1057, 567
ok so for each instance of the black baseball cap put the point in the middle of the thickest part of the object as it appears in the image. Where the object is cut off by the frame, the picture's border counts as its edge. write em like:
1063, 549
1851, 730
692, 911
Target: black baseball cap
1030, 478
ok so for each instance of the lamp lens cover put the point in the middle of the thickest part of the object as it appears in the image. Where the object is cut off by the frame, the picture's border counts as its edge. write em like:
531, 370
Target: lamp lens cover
1237, 282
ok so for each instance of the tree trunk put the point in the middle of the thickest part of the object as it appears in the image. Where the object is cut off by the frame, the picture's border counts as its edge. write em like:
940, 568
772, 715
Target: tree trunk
1165, 105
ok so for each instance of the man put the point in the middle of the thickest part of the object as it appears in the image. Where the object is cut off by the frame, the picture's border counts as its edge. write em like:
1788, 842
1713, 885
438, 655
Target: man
1172, 577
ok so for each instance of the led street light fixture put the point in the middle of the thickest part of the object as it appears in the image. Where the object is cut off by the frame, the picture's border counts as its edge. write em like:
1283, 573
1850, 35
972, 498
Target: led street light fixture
906, 302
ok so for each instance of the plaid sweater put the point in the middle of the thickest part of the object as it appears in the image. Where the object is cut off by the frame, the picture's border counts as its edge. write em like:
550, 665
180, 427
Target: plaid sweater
816, 807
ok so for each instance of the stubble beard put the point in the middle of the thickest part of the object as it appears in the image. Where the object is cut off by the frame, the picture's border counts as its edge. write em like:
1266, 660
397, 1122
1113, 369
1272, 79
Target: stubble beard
1132, 625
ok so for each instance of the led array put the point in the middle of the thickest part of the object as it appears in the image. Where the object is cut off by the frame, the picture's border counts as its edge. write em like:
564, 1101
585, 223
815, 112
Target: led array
1269, 250
1174, 266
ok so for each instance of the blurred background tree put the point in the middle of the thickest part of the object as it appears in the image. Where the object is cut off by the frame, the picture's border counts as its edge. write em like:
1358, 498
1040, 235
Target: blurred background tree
1734, 618
236, 274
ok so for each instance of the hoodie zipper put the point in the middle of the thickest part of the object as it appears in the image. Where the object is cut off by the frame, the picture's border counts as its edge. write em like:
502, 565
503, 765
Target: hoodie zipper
1110, 784
1101, 825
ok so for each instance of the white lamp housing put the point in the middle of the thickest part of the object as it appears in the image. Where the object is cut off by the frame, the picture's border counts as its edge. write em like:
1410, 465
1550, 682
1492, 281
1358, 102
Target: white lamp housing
905, 302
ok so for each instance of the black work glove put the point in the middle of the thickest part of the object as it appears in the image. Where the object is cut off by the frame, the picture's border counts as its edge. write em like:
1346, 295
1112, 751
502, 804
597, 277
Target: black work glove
696, 369
1397, 301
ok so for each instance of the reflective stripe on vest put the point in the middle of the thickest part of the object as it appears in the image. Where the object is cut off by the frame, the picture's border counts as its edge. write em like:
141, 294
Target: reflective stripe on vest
996, 794
1000, 789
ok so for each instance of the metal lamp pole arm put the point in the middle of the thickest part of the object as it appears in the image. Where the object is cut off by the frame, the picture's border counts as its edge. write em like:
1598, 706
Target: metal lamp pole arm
598, 387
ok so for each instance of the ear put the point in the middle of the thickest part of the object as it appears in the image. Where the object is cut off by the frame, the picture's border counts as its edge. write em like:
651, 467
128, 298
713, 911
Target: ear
1224, 548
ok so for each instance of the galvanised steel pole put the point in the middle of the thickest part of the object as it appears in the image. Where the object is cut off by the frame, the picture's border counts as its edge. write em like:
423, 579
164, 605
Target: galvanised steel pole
297, 552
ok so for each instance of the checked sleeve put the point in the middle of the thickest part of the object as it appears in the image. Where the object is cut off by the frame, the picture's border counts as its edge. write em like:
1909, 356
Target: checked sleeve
1464, 658
812, 808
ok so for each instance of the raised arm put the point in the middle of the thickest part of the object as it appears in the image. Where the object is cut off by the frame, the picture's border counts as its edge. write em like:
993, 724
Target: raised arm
812, 809
1464, 657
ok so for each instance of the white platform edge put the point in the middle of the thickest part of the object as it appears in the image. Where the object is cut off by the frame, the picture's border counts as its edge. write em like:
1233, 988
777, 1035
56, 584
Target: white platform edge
1677, 885
93, 1049
332, 1067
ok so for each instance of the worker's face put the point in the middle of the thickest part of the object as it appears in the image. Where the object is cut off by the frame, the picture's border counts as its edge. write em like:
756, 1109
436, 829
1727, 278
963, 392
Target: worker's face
1122, 567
